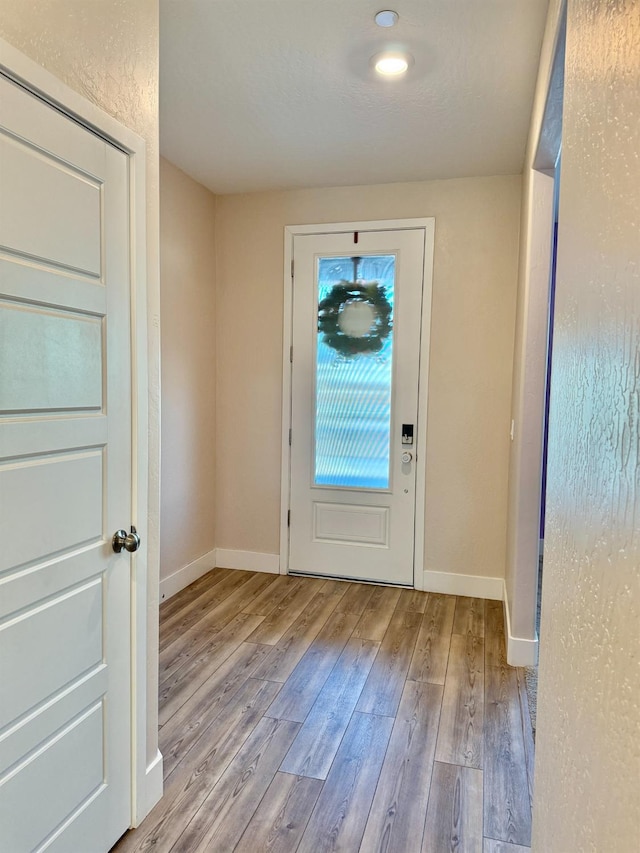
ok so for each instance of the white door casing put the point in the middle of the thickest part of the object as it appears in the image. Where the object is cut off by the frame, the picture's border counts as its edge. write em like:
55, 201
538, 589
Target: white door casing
350, 531
65, 481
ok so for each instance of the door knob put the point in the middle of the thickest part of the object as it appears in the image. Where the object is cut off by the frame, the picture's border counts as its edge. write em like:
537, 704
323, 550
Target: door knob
129, 541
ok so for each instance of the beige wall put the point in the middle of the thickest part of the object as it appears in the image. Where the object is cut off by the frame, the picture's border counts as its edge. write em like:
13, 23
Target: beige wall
588, 740
187, 290
108, 51
476, 249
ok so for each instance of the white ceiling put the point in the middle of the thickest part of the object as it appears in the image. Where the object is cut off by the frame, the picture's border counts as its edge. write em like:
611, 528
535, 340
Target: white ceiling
276, 94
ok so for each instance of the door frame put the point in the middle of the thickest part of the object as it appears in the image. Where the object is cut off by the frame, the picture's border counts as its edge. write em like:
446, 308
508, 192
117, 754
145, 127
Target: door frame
146, 780
290, 232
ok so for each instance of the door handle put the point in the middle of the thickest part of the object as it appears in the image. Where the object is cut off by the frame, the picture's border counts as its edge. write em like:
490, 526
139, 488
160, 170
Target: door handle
129, 541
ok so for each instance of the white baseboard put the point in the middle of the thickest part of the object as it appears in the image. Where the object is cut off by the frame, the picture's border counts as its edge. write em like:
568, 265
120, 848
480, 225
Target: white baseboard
187, 574
474, 586
520, 650
223, 558
153, 789
248, 561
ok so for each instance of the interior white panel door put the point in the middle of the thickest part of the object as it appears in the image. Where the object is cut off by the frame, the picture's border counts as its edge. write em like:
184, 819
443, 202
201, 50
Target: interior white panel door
357, 310
65, 482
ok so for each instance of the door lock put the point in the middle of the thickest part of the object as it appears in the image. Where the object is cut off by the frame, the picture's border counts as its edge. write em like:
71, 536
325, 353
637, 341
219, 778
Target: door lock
406, 457
407, 433
129, 541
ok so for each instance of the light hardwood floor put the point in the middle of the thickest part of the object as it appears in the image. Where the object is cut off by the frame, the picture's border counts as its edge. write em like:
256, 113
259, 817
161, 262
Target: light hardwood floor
306, 715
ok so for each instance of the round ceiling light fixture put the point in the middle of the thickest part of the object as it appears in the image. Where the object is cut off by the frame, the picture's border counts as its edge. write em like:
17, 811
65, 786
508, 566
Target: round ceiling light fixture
391, 64
386, 18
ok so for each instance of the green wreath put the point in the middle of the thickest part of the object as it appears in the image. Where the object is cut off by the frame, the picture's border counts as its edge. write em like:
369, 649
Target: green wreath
329, 312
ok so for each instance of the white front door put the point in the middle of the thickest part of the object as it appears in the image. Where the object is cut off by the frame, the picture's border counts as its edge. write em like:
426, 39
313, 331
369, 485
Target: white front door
65, 482
357, 307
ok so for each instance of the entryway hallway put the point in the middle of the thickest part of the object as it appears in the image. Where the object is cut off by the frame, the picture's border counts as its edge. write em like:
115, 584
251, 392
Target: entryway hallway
300, 714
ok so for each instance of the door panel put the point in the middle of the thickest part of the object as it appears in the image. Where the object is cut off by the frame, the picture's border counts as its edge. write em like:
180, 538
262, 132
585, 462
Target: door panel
31, 673
367, 525
34, 185
84, 693
39, 372
81, 737
65, 482
356, 345
57, 504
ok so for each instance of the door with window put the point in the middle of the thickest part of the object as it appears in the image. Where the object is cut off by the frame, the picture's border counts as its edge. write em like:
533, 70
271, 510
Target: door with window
65, 482
357, 337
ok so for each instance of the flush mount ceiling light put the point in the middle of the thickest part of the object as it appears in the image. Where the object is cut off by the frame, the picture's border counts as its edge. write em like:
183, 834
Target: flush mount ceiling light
386, 18
391, 64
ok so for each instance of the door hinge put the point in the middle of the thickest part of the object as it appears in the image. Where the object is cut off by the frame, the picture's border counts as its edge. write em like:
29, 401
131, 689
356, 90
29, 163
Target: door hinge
291, 354
288, 518
291, 267
290, 436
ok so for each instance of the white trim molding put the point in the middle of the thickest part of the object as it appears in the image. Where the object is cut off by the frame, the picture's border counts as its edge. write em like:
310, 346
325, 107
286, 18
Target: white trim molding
520, 650
187, 574
221, 558
248, 561
153, 788
474, 586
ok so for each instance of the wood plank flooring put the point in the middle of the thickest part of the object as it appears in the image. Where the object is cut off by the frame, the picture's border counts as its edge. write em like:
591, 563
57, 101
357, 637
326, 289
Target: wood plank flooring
302, 715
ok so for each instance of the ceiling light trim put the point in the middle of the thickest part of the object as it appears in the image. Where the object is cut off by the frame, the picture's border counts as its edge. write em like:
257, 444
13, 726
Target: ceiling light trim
386, 18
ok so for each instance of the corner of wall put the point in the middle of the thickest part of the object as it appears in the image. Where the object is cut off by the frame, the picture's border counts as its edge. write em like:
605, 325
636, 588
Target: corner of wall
186, 575
152, 790
520, 650
216, 280
527, 406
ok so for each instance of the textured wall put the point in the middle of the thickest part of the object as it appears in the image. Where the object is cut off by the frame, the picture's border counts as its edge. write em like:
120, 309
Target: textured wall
108, 51
588, 744
187, 281
476, 249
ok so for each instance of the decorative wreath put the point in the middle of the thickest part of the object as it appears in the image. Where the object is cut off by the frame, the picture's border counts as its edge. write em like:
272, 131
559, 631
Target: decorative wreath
346, 293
